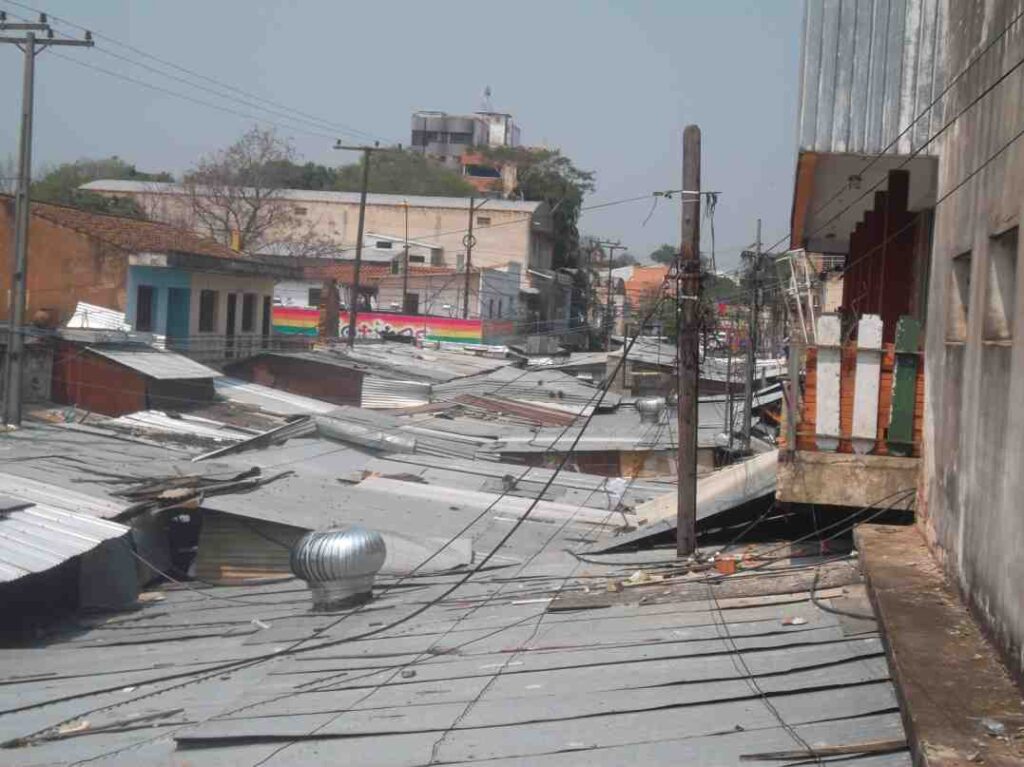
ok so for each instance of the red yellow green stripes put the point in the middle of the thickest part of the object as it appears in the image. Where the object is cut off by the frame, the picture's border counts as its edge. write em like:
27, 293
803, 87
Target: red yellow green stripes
289, 320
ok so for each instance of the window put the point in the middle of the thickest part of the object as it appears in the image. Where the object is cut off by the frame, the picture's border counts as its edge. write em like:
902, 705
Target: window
499, 308
396, 266
145, 298
959, 298
298, 210
419, 138
417, 259
460, 138
460, 261
314, 297
207, 311
248, 312
483, 220
1002, 286
490, 307
384, 244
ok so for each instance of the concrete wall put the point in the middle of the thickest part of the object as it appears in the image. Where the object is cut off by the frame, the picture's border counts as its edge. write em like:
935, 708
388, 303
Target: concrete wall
502, 234
65, 267
972, 483
211, 344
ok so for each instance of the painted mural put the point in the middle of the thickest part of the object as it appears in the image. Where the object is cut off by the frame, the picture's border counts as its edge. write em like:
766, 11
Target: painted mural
289, 320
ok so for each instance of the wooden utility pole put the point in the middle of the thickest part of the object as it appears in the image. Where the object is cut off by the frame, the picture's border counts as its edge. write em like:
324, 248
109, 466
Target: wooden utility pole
469, 241
609, 310
354, 294
748, 392
688, 273
30, 46
405, 262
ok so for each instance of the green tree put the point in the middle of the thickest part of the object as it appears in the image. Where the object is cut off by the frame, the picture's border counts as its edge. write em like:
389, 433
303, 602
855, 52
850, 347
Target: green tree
400, 171
665, 254
549, 176
392, 171
60, 185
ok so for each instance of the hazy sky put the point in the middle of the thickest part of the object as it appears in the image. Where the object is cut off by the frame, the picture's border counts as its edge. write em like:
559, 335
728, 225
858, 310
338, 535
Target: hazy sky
610, 83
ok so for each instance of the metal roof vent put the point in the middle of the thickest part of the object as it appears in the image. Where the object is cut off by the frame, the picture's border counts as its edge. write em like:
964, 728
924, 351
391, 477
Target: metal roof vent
339, 565
650, 409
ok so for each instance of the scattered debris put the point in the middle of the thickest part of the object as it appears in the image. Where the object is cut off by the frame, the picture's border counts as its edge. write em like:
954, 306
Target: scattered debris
797, 621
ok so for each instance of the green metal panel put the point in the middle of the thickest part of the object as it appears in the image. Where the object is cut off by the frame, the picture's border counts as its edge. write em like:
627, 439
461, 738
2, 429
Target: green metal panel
900, 436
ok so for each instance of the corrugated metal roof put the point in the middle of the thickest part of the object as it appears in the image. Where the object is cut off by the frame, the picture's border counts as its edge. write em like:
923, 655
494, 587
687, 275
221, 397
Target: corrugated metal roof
295, 195
660, 675
550, 387
162, 365
268, 399
407, 362
867, 70
385, 393
38, 538
47, 495
181, 424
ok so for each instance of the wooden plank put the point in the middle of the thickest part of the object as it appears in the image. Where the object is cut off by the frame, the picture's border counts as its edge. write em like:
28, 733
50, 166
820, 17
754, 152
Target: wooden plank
873, 747
869, 365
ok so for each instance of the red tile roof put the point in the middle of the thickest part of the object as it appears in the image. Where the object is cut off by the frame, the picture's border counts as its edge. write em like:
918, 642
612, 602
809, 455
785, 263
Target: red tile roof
131, 234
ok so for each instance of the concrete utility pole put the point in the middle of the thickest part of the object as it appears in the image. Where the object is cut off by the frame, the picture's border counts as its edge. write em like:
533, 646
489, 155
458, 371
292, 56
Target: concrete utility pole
30, 45
354, 295
609, 308
755, 289
469, 241
688, 274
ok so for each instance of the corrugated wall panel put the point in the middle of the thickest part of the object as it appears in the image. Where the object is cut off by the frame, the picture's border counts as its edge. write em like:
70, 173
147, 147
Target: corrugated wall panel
382, 393
868, 69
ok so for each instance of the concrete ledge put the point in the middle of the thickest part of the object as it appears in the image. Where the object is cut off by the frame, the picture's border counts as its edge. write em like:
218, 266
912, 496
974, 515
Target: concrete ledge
959, 704
844, 479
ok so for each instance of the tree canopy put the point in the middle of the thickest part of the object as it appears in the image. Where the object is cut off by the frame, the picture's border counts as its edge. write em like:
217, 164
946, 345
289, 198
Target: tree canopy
60, 184
664, 254
392, 171
549, 176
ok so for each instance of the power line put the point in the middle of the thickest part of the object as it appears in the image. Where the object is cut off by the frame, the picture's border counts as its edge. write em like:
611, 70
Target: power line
295, 647
225, 90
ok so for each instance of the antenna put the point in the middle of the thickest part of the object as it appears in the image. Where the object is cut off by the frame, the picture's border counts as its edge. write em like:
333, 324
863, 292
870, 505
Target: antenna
485, 104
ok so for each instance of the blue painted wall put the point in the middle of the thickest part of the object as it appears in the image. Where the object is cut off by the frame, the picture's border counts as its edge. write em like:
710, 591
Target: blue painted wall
162, 280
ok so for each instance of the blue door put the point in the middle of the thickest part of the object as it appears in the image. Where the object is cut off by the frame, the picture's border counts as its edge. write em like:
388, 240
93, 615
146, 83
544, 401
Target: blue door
177, 318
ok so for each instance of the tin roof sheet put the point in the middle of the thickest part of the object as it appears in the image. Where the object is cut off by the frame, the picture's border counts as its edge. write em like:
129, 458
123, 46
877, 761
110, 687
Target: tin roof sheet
660, 675
268, 399
39, 537
155, 363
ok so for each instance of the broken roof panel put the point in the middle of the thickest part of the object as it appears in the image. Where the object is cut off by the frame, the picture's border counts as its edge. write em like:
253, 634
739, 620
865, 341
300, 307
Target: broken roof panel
155, 363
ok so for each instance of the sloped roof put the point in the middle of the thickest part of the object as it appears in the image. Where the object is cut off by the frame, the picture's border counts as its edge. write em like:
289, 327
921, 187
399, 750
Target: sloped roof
295, 195
132, 234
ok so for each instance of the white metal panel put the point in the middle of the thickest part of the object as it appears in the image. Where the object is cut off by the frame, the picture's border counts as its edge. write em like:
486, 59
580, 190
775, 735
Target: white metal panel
829, 359
39, 538
865, 392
